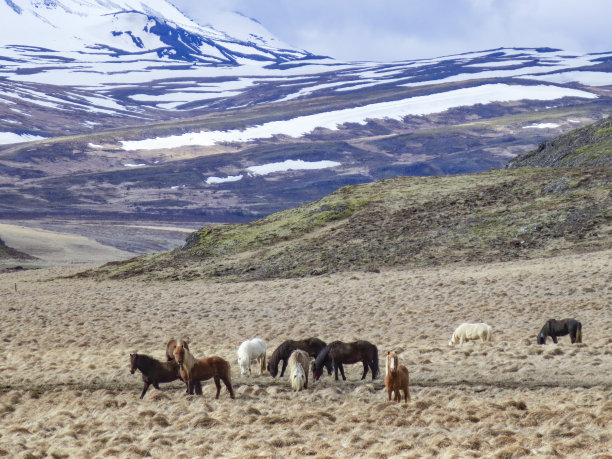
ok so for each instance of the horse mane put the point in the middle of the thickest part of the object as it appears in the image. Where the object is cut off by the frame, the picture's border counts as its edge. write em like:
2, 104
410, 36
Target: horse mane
146, 361
278, 353
323, 355
188, 359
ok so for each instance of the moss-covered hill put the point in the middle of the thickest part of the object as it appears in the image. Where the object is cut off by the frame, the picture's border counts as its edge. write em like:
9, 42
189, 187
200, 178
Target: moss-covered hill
403, 222
587, 146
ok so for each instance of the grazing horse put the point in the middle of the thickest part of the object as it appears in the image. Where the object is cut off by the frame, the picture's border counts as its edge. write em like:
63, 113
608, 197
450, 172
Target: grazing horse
154, 372
299, 365
471, 332
253, 350
554, 328
311, 345
396, 378
338, 353
193, 370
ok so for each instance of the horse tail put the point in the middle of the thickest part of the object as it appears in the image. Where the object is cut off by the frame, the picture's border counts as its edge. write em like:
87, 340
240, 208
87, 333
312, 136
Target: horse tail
578, 332
375, 369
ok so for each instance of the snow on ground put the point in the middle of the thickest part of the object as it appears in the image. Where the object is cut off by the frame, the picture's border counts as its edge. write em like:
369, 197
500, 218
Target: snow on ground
582, 77
542, 126
229, 178
398, 109
291, 165
10, 137
284, 166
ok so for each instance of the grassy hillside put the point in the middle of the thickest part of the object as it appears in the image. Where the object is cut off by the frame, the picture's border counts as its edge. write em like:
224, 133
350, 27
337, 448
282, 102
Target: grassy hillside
587, 146
403, 222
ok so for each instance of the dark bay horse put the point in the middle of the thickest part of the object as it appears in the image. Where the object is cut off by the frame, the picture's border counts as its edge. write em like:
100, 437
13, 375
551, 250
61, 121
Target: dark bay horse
338, 353
554, 328
155, 372
193, 370
311, 345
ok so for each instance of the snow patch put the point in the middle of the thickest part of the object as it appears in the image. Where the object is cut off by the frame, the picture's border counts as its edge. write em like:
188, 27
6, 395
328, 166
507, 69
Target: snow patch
10, 137
398, 109
542, 126
229, 178
291, 165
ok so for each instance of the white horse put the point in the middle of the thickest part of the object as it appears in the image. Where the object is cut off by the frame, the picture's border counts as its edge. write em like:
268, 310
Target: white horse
299, 365
471, 332
250, 351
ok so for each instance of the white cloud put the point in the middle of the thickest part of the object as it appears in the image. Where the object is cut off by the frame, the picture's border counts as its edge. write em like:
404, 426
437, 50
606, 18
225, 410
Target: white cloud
398, 29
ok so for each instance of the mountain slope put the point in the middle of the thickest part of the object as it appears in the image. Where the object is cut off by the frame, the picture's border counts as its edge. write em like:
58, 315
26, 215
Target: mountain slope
587, 146
8, 253
401, 223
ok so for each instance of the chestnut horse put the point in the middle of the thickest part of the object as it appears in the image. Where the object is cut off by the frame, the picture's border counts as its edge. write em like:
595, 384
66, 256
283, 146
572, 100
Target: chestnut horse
396, 378
338, 353
192, 370
311, 345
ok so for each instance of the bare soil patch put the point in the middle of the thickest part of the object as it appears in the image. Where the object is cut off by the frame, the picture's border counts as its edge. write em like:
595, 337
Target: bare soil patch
67, 390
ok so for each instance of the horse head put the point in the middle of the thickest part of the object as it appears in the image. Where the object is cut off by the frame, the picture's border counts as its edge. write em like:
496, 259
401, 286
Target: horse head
133, 364
392, 362
317, 371
541, 338
272, 369
244, 364
179, 352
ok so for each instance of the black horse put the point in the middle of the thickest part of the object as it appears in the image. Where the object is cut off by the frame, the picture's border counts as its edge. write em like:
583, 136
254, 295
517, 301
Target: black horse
311, 345
554, 328
338, 353
155, 372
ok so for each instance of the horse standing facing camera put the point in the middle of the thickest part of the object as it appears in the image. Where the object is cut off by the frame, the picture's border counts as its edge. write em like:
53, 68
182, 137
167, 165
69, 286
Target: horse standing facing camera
397, 378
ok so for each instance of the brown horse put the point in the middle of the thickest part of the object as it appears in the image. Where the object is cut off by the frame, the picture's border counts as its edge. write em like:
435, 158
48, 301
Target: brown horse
396, 378
153, 371
282, 353
193, 370
335, 354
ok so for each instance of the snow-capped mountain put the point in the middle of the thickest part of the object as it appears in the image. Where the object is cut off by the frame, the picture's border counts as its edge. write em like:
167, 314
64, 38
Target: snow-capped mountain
141, 111
79, 30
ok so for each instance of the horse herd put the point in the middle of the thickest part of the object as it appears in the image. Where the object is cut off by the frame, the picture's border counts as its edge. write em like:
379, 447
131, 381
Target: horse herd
298, 355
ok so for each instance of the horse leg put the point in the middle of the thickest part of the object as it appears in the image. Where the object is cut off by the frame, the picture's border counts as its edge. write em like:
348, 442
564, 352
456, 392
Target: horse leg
218, 384
144, 390
228, 385
365, 370
554, 338
156, 385
342, 371
389, 391
336, 371
284, 368
197, 387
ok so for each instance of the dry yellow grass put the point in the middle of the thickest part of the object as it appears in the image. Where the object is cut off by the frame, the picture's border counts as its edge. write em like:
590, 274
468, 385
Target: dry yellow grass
67, 391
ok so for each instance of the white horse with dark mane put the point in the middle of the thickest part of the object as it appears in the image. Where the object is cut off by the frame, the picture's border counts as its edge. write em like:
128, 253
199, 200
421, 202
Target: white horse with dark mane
252, 351
299, 365
471, 332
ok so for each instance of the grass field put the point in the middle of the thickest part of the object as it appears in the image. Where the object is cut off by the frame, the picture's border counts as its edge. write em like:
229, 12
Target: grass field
67, 390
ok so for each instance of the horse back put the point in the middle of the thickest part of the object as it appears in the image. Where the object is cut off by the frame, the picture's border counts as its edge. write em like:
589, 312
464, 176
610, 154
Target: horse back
162, 372
210, 366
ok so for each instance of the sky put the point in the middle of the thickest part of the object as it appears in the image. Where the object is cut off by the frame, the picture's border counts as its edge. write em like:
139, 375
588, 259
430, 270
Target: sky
388, 30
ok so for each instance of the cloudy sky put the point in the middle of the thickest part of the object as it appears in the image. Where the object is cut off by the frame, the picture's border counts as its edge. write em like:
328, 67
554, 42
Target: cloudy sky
385, 30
